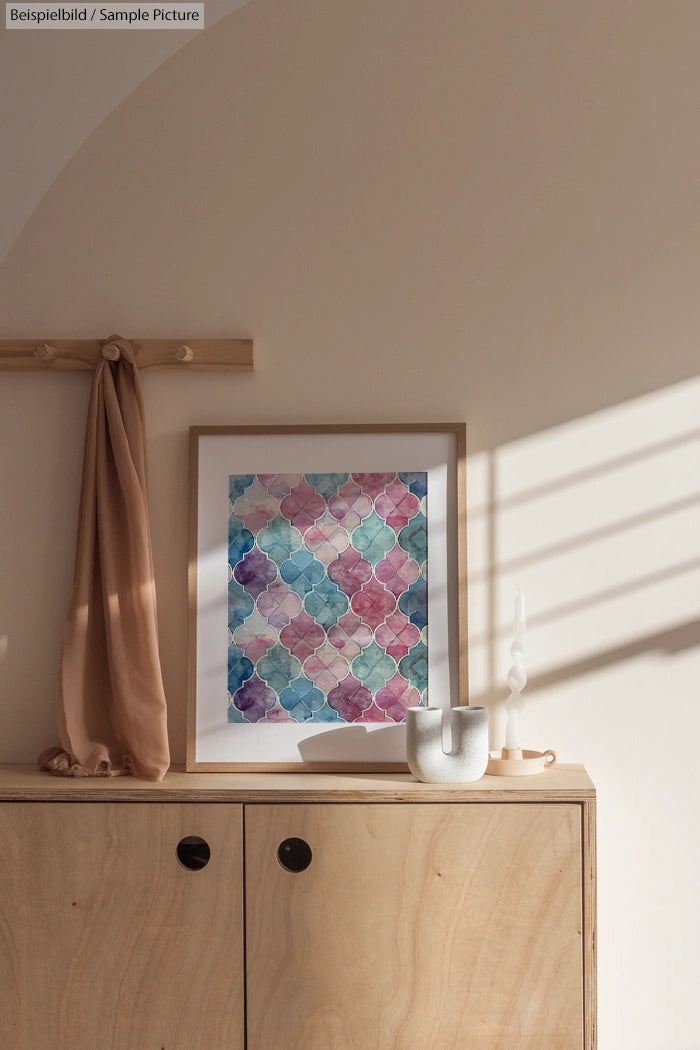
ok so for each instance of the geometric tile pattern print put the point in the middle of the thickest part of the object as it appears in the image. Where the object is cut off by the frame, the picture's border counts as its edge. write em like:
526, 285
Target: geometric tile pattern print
327, 597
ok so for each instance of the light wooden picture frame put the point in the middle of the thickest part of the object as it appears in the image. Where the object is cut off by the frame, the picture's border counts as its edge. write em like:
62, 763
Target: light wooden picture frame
327, 592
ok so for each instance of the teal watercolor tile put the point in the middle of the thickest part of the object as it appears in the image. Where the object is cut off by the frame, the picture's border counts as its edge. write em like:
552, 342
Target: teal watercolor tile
279, 540
326, 484
414, 667
240, 669
326, 603
373, 667
373, 538
413, 603
302, 572
416, 482
302, 700
240, 605
278, 668
240, 540
237, 484
413, 538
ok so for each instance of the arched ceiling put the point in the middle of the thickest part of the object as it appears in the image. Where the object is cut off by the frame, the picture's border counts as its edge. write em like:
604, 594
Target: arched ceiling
58, 86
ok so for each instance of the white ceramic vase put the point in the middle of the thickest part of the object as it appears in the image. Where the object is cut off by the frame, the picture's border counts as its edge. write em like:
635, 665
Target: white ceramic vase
468, 758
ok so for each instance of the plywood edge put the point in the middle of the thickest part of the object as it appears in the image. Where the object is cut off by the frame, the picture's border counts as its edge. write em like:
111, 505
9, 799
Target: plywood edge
25, 783
590, 955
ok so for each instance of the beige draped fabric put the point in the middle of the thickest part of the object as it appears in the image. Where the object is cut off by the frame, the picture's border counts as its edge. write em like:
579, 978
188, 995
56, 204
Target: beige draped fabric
112, 710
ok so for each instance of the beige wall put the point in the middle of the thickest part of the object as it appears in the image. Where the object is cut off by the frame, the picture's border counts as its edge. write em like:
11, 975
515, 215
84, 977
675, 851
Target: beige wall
56, 90
422, 211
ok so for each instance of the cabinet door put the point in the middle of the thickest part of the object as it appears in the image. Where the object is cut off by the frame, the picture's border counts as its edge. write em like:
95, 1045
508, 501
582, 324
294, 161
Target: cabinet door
431, 926
113, 943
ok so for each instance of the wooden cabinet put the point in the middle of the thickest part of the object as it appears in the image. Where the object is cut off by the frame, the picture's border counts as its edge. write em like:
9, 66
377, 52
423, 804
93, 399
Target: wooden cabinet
112, 943
425, 917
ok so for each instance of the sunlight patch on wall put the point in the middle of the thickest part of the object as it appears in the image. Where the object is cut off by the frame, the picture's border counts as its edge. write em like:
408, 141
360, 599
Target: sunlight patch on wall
597, 521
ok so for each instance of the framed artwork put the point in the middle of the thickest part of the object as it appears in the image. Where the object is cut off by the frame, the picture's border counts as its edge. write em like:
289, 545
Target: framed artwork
327, 590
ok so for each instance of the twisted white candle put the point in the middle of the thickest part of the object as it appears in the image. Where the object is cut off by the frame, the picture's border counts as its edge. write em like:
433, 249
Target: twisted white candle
517, 677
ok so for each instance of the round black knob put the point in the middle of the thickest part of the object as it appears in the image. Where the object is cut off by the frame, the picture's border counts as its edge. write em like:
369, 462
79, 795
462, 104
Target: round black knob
294, 854
193, 852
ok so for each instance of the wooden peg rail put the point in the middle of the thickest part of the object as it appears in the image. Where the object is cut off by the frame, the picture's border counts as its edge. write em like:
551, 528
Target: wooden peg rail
70, 355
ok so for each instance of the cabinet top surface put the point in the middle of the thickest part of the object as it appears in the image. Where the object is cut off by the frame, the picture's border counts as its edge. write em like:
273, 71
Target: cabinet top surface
563, 783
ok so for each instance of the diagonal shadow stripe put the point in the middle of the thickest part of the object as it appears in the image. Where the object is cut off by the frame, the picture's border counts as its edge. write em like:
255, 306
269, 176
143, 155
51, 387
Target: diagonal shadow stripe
672, 641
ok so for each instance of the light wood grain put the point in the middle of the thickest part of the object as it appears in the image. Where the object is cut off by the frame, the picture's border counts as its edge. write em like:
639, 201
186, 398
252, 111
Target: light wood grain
423, 920
118, 946
590, 923
10, 928
192, 598
462, 593
416, 927
561, 784
82, 354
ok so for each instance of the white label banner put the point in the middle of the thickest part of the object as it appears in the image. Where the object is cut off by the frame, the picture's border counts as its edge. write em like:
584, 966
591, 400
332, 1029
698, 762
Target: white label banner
104, 16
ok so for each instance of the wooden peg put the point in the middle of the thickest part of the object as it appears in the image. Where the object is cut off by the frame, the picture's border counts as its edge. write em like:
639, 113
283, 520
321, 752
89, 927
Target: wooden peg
111, 352
45, 352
